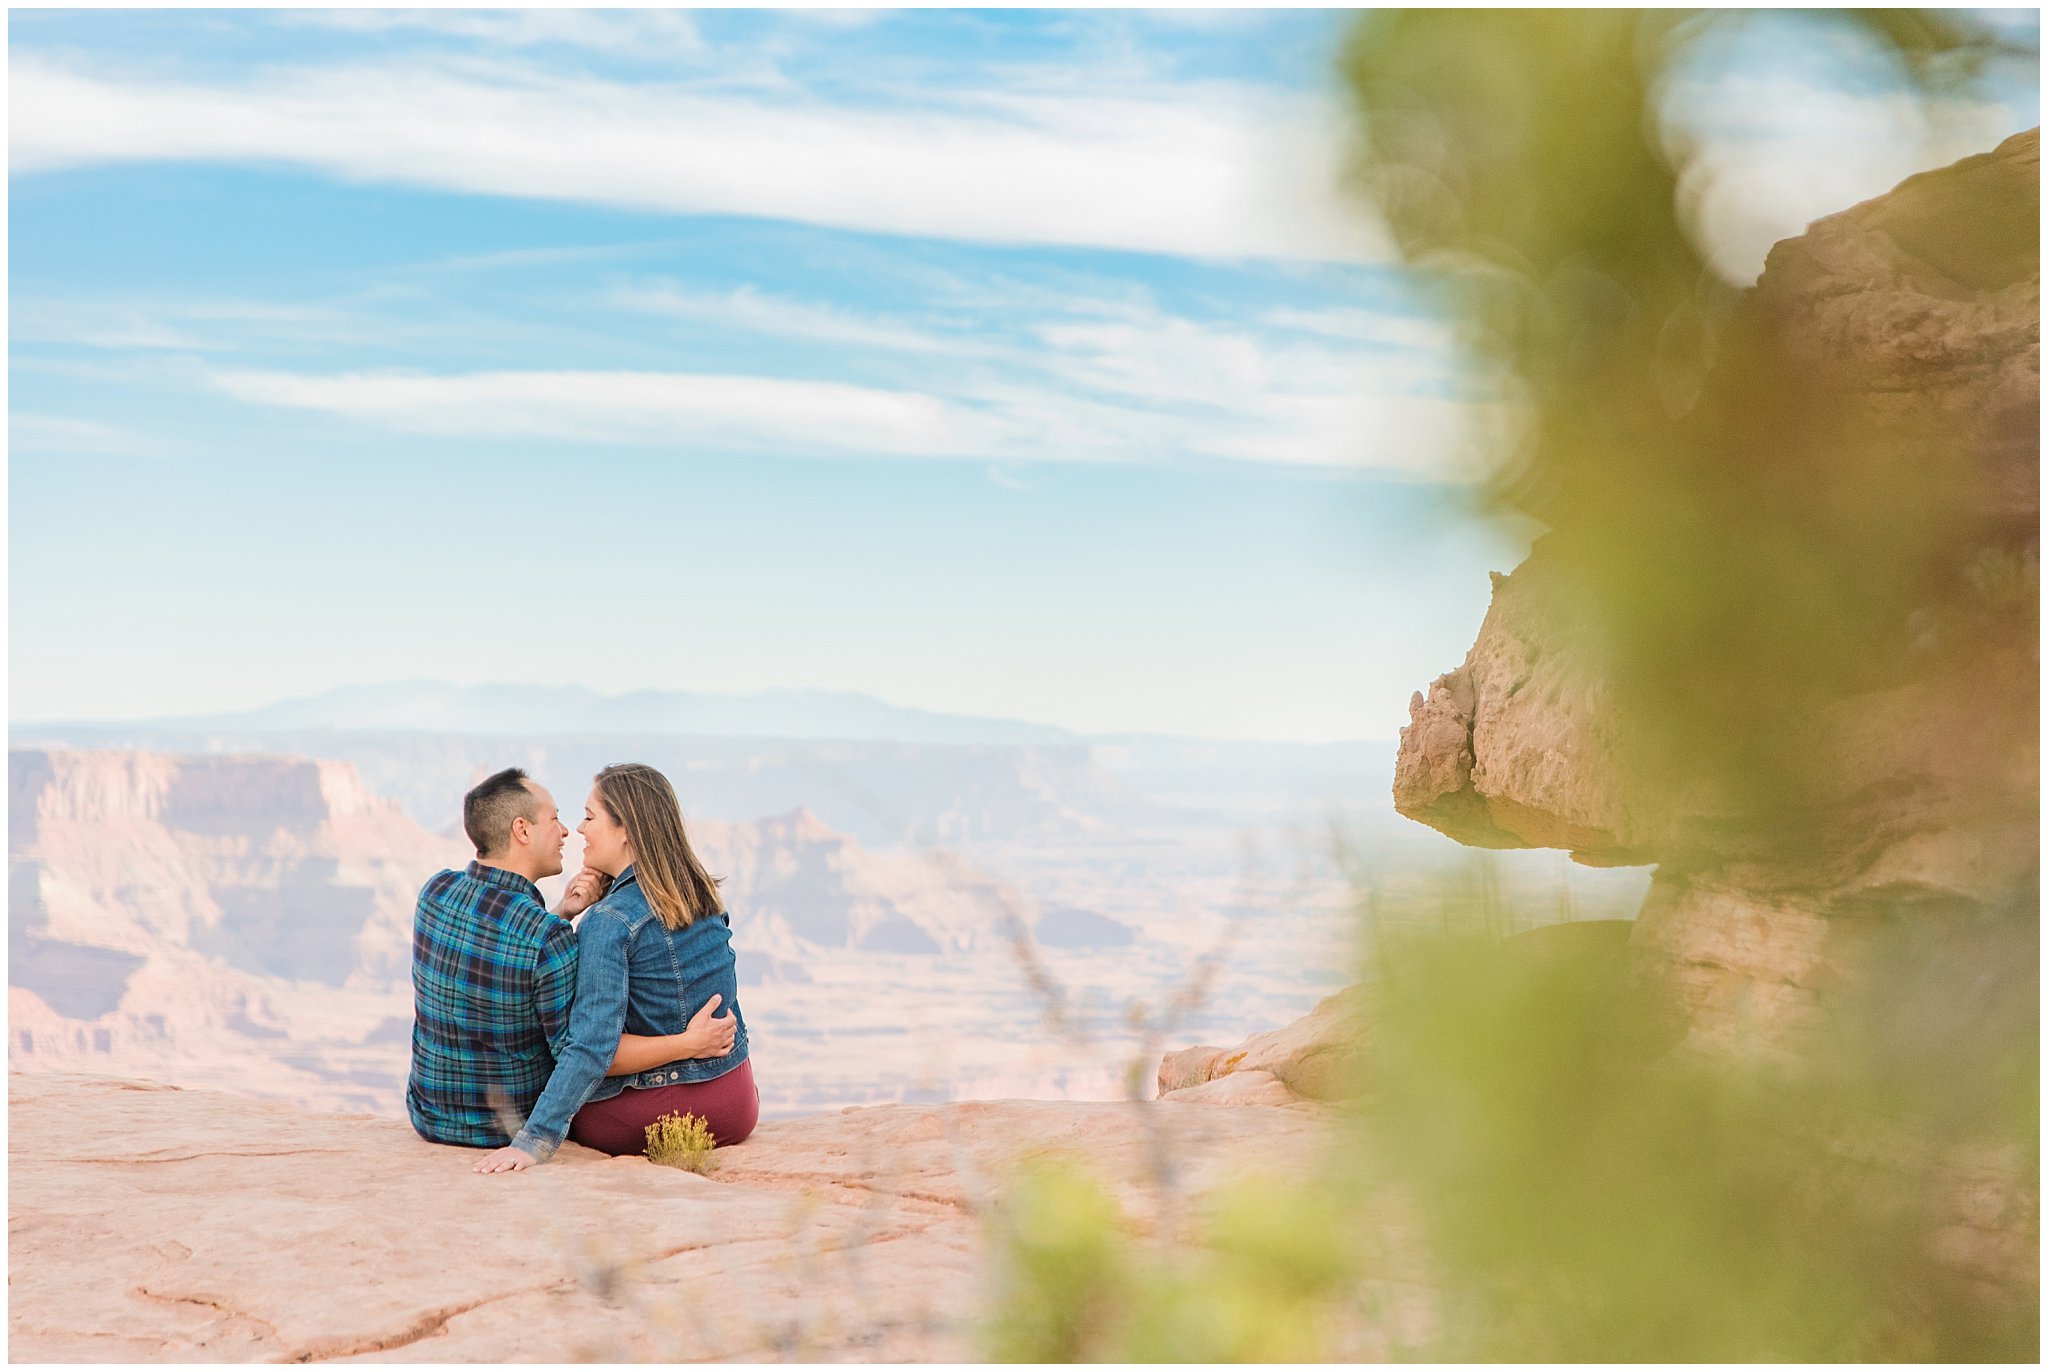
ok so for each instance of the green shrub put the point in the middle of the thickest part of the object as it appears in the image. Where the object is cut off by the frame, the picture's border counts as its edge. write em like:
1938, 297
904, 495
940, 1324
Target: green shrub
681, 1141
1271, 1276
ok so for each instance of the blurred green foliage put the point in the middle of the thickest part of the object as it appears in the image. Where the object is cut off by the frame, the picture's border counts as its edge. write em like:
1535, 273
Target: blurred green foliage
1588, 1206
1268, 1274
1741, 549
1531, 1155
1739, 545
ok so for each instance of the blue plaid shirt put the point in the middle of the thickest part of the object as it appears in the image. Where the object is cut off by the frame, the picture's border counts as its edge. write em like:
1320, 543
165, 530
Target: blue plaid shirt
493, 977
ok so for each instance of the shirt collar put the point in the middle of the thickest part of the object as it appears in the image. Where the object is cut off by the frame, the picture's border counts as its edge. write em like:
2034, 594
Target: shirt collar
498, 876
622, 878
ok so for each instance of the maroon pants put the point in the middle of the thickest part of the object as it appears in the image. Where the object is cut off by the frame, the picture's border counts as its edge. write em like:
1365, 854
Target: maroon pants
730, 1104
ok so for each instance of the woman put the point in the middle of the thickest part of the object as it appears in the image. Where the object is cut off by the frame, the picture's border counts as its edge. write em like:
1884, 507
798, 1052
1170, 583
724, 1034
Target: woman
650, 954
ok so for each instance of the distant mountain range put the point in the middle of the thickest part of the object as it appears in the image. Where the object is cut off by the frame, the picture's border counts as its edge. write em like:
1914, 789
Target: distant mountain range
439, 708
879, 772
434, 707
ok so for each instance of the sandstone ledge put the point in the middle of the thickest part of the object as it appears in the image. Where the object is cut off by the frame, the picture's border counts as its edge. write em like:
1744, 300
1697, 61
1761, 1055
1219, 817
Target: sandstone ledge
150, 1223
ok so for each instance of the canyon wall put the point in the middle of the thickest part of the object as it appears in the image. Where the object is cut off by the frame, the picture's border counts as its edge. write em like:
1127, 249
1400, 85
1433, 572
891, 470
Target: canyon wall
244, 922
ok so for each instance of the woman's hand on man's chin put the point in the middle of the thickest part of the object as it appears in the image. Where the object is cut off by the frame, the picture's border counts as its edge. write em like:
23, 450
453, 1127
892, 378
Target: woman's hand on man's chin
506, 1159
585, 890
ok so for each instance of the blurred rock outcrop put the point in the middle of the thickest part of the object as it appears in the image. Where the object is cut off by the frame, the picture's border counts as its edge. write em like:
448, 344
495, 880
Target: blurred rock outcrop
1911, 797
1311, 1059
1327, 1054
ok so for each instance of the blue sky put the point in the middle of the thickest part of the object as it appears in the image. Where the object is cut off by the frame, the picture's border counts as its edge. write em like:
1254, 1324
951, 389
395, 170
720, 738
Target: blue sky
1015, 363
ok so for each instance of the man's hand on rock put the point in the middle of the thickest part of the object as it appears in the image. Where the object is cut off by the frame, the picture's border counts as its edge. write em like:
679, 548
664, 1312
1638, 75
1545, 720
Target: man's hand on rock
506, 1159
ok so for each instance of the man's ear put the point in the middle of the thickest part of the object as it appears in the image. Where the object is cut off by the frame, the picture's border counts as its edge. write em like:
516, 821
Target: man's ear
519, 835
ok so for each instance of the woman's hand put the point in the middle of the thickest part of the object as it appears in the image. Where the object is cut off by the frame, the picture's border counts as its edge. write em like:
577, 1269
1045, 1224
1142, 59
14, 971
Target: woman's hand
506, 1159
709, 1036
585, 891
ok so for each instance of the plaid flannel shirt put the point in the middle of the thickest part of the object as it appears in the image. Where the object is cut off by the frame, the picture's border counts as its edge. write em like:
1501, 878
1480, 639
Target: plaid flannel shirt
493, 977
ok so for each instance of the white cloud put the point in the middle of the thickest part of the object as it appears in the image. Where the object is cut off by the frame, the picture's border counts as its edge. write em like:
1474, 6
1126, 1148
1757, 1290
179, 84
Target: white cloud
1219, 19
1028, 373
224, 326
1214, 171
1158, 359
1422, 437
1422, 333
1762, 157
99, 324
847, 17
639, 407
51, 433
747, 308
651, 34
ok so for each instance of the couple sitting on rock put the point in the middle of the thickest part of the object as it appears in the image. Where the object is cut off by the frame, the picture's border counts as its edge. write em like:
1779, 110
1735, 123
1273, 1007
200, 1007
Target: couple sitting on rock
527, 1029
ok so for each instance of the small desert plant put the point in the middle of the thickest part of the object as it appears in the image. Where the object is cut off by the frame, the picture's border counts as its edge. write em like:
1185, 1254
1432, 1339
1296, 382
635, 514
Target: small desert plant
681, 1141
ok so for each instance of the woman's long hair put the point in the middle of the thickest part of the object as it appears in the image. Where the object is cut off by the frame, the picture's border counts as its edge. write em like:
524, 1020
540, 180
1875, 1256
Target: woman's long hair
643, 802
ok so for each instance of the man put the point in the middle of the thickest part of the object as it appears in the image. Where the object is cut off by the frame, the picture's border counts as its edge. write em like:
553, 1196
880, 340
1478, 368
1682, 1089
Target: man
494, 973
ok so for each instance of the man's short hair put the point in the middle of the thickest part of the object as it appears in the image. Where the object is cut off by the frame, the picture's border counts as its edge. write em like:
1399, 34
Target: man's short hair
491, 806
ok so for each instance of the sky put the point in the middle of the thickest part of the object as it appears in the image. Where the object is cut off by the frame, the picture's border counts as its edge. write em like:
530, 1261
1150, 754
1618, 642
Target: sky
1014, 363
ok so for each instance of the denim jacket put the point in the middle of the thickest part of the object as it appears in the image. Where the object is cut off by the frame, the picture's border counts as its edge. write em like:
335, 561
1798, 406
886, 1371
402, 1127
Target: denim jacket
634, 975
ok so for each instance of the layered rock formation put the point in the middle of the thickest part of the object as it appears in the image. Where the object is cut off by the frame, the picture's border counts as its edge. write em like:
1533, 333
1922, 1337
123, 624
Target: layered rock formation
806, 888
214, 919
249, 1232
246, 922
1920, 313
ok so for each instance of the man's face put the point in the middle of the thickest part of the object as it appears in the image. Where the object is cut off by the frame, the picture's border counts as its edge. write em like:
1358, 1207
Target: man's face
541, 838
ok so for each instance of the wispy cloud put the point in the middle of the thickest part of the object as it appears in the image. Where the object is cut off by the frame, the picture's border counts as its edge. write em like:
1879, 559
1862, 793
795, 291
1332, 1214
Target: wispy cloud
217, 326
101, 324
1379, 328
1424, 437
999, 369
29, 434
746, 307
654, 35
1218, 171
639, 407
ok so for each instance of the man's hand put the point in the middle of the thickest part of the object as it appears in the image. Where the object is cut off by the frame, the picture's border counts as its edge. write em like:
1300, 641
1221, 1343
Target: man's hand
506, 1159
709, 1036
585, 891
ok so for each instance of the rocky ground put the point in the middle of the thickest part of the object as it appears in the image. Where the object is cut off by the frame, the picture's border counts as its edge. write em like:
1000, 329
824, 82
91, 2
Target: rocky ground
149, 1223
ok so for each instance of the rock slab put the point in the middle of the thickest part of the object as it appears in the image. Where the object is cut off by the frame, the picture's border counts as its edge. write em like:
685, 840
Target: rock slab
152, 1224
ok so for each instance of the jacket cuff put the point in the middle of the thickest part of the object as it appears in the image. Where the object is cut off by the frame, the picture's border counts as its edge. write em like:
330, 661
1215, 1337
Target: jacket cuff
536, 1146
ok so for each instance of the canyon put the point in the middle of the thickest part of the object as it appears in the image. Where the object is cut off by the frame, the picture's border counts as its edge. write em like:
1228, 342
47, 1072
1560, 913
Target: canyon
242, 920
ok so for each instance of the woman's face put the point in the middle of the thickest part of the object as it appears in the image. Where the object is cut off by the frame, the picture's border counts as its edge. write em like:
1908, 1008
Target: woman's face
605, 845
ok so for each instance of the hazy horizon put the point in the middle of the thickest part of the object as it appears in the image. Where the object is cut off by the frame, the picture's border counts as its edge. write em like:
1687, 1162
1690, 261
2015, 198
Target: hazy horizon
600, 698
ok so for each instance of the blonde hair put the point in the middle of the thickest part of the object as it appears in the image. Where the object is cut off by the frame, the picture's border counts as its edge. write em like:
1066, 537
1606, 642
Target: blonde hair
645, 805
